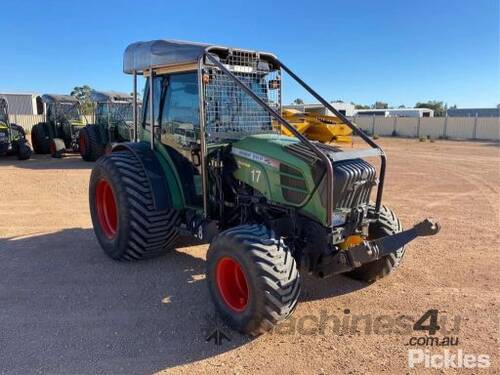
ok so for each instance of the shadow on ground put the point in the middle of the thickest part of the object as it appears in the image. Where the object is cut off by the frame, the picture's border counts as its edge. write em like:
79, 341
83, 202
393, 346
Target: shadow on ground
43, 162
67, 308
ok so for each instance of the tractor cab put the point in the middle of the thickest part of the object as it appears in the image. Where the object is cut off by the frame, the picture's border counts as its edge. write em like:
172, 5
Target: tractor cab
114, 123
114, 113
12, 136
59, 132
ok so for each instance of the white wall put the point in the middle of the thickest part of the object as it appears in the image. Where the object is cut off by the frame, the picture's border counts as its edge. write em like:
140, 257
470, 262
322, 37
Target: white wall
486, 128
27, 121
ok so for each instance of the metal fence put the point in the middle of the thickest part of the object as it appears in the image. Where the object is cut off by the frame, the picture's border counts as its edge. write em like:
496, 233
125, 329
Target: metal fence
480, 128
28, 121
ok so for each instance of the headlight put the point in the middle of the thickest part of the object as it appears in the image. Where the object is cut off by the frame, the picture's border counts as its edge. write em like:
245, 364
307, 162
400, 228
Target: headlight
339, 217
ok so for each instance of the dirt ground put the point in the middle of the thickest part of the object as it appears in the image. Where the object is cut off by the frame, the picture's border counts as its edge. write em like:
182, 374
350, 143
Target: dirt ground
65, 308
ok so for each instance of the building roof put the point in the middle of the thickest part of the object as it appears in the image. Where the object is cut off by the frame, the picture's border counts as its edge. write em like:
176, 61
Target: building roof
471, 112
393, 109
20, 93
23, 103
155, 53
53, 98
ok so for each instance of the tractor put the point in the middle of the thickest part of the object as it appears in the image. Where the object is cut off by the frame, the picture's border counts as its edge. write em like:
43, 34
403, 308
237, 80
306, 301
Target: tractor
114, 122
12, 136
211, 162
60, 132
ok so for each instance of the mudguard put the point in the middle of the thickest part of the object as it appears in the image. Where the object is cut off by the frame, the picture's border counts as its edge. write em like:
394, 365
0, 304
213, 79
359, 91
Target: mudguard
166, 192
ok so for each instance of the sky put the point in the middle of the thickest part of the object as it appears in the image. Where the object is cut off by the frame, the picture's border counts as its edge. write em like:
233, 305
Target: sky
399, 52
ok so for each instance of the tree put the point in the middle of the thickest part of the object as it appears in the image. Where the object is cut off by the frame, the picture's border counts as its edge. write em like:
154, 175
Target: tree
402, 106
435, 105
380, 105
83, 94
298, 101
360, 106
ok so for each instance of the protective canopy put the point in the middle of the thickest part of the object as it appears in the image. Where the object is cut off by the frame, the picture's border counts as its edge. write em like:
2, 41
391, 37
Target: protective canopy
142, 55
110, 96
52, 98
155, 53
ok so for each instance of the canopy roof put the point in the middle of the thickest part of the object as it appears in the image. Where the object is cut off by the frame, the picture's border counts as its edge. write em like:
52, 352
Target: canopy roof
54, 98
110, 96
142, 55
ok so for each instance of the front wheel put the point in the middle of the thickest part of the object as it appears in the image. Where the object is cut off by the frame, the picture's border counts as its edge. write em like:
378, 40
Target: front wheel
23, 150
386, 225
252, 277
57, 148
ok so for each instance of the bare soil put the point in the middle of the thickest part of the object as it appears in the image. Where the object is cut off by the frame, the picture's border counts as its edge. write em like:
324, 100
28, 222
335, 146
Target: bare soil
67, 308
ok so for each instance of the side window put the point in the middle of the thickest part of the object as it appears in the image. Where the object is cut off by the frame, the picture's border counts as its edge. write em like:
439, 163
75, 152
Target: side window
157, 92
102, 112
180, 113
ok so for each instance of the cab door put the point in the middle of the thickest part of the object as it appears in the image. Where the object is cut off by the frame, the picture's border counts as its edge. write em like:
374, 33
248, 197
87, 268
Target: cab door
177, 118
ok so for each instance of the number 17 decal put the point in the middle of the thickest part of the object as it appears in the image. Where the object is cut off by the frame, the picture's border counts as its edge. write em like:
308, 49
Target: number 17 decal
255, 175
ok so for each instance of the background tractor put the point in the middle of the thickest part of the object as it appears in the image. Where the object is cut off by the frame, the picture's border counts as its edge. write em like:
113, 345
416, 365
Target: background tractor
60, 132
114, 122
12, 136
210, 161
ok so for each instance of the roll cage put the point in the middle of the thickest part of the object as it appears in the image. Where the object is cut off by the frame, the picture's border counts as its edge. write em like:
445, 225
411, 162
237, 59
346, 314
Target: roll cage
151, 58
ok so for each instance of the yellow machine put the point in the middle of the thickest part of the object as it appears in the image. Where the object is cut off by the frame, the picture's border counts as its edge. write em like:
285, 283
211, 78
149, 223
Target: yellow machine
318, 127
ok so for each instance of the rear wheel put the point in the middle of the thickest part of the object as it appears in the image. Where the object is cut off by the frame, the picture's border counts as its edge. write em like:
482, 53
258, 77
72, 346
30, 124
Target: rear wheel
386, 225
126, 223
90, 147
252, 277
40, 138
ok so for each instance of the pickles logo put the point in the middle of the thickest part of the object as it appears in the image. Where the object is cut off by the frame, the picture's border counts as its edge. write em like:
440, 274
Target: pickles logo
448, 359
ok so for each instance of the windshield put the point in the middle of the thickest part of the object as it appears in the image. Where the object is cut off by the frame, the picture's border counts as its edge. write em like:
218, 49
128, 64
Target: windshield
122, 112
68, 111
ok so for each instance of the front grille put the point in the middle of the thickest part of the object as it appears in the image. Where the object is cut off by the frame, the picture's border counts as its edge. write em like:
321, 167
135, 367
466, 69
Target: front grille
353, 179
293, 185
353, 182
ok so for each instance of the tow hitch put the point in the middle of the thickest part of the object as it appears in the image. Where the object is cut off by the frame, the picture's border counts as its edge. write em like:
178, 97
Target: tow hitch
369, 251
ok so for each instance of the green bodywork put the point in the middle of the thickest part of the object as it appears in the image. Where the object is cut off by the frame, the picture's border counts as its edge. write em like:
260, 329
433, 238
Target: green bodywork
9, 133
4, 137
259, 158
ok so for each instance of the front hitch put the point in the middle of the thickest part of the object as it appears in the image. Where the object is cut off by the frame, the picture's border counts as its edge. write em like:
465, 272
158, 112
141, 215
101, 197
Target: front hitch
369, 251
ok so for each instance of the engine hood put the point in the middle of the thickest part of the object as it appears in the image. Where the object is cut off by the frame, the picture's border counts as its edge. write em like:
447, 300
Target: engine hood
268, 149
287, 172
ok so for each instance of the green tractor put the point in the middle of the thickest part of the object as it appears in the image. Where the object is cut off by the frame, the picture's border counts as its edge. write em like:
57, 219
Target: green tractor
12, 136
114, 123
211, 162
60, 132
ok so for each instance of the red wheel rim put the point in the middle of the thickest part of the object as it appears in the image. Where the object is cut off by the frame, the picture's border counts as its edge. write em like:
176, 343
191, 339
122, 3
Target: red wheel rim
232, 283
82, 144
106, 209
